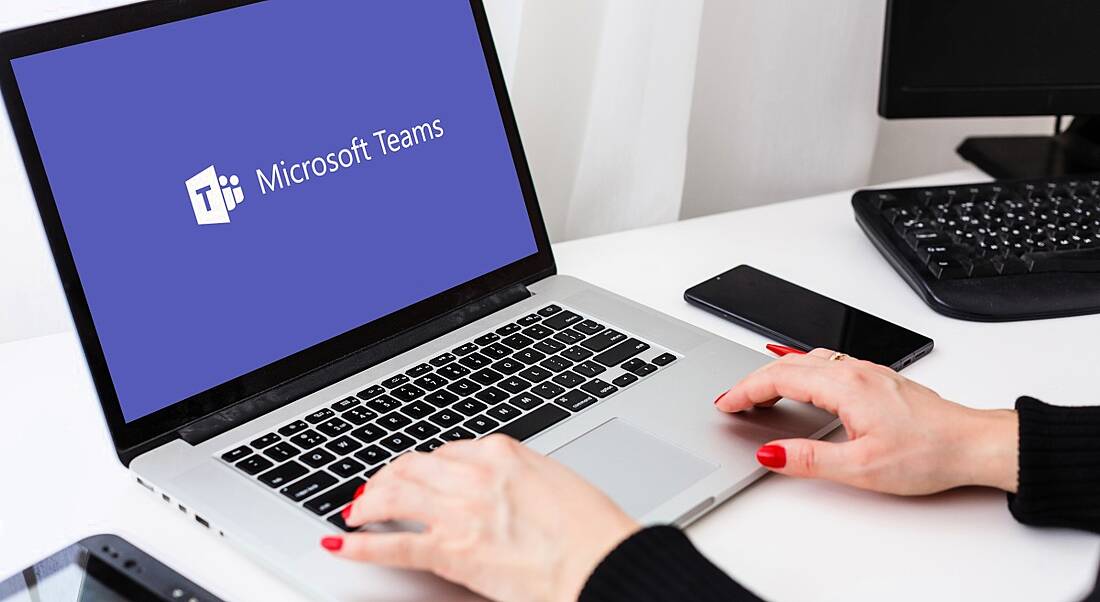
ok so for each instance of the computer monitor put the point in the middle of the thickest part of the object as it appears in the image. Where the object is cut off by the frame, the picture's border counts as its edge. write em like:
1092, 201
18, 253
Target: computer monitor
945, 58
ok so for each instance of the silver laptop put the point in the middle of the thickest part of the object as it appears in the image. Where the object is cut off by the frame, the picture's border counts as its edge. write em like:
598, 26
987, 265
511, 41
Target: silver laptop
300, 239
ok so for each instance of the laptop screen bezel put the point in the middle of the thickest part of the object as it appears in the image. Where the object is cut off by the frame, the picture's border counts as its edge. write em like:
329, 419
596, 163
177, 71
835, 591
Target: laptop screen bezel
128, 435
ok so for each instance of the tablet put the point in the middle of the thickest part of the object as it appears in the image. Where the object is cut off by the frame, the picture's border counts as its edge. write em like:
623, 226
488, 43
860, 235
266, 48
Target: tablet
103, 568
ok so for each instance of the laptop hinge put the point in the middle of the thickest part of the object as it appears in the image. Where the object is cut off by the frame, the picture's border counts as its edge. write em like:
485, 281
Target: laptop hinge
249, 409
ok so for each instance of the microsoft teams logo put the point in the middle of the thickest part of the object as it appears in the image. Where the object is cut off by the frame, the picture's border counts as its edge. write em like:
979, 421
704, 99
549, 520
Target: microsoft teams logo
213, 196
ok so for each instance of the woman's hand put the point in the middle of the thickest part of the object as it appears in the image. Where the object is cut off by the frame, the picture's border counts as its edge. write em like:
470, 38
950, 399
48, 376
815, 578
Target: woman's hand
903, 438
500, 519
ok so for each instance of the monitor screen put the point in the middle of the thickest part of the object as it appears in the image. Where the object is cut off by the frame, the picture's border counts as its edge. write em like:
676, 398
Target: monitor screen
241, 186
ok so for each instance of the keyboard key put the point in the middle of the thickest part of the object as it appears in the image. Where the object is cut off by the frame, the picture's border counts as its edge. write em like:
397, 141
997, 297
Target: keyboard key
336, 499
254, 465
514, 384
534, 423
373, 455
395, 381
236, 454
589, 369
469, 407
338, 520
429, 446
548, 390
481, 424
383, 404
538, 332
621, 352
576, 400
488, 339
346, 467
320, 416
625, 380
486, 377
317, 458
599, 388
664, 360
431, 382
528, 320
562, 320
556, 364
475, 361
1084, 261
645, 370
518, 341
466, 349
947, 269
589, 327
309, 486
281, 452
549, 310
454, 371
373, 471
294, 427
346, 404
394, 421
503, 413
442, 360
407, 393
569, 337
464, 387
359, 416
577, 354
508, 366
284, 474
369, 433
457, 434
446, 418
422, 430
530, 356
603, 341
569, 379
398, 442
496, 351
491, 395
308, 439
334, 427
633, 365
419, 371
536, 374
265, 441
527, 402
371, 393
441, 399
508, 329
550, 346
418, 410
343, 446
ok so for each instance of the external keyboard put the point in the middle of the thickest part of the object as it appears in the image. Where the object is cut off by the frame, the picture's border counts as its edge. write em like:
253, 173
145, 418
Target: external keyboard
992, 252
519, 379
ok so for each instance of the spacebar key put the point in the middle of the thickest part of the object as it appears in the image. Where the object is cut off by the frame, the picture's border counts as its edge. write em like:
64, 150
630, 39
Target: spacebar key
1081, 261
534, 423
621, 352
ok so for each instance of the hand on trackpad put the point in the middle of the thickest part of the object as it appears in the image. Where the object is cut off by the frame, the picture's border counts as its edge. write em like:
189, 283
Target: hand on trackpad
638, 471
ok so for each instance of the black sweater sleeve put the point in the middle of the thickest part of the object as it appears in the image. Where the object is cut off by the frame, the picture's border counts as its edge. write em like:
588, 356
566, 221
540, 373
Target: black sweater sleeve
659, 564
1059, 466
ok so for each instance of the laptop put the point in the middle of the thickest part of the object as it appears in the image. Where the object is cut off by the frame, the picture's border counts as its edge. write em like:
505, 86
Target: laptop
300, 238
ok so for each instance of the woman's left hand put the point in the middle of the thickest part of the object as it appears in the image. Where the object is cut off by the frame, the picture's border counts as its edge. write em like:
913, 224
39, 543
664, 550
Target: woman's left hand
502, 520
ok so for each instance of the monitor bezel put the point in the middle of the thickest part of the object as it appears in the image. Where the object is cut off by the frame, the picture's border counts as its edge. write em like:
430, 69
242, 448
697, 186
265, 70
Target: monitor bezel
128, 436
898, 100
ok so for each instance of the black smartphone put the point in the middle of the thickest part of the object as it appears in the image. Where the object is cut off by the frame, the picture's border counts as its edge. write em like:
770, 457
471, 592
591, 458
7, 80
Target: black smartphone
800, 318
102, 568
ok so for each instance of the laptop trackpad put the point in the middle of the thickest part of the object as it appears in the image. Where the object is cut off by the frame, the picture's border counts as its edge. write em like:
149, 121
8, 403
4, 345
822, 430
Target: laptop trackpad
640, 472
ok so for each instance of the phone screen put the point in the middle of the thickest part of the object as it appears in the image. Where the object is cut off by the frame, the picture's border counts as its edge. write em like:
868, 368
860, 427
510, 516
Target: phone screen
799, 317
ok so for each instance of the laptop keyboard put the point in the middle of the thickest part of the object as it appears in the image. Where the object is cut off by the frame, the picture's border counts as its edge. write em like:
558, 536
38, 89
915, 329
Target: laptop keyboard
519, 379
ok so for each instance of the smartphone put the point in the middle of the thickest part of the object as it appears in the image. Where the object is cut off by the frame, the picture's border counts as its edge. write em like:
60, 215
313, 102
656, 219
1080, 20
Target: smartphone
800, 318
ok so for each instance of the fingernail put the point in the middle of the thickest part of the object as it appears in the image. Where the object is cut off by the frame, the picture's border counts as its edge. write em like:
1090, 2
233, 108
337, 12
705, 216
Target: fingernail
772, 456
719, 398
332, 544
346, 512
359, 492
783, 350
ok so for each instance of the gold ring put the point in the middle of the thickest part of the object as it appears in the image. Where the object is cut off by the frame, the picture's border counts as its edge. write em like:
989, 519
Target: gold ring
839, 357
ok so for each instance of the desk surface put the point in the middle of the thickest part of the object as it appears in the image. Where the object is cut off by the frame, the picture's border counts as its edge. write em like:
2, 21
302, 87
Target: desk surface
785, 539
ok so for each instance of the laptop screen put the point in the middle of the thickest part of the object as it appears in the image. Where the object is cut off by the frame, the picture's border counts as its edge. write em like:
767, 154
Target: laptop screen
244, 185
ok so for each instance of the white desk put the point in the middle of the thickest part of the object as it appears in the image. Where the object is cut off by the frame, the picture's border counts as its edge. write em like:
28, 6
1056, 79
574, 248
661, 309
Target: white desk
787, 540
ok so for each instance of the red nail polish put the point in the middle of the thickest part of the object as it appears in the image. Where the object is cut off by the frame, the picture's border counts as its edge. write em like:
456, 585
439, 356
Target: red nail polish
772, 456
359, 492
332, 544
346, 512
719, 398
783, 350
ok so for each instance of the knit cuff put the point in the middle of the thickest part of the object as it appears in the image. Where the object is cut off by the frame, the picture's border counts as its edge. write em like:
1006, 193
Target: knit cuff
1059, 466
660, 564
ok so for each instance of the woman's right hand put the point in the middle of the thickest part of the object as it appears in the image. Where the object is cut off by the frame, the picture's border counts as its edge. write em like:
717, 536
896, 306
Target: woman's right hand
904, 438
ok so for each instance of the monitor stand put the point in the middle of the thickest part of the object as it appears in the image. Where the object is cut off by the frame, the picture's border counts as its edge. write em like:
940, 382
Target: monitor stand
1073, 152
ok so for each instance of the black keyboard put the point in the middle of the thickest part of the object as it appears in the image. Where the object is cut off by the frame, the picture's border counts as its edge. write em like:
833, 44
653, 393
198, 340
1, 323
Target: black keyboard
1006, 251
519, 379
